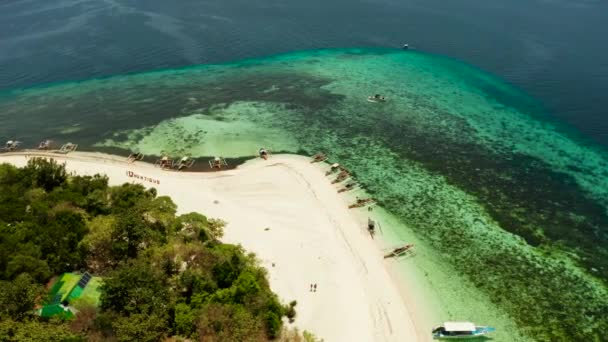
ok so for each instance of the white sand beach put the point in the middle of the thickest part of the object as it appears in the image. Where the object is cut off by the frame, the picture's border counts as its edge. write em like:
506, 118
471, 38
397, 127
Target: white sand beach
285, 211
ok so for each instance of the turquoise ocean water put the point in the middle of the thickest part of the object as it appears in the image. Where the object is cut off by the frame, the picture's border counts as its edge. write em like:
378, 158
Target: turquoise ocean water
513, 204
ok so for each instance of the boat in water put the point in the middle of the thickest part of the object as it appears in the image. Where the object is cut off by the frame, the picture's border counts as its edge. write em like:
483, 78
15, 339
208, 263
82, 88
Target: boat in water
460, 330
376, 98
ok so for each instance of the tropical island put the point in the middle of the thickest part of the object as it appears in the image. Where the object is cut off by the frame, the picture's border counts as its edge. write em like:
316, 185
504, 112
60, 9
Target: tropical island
93, 248
505, 207
161, 274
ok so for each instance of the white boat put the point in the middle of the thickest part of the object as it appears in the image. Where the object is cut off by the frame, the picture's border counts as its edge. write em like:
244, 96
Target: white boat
376, 98
460, 330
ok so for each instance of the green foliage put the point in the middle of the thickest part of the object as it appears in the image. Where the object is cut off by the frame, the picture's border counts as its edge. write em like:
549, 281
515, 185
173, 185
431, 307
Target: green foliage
310, 337
96, 246
229, 323
17, 297
185, 317
163, 275
32, 330
136, 287
140, 327
46, 174
194, 225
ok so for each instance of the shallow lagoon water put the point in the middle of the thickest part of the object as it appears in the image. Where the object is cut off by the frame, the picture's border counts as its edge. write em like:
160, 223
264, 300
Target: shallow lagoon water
510, 202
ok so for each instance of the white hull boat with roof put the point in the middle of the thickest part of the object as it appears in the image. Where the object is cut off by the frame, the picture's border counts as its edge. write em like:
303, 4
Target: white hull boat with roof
460, 330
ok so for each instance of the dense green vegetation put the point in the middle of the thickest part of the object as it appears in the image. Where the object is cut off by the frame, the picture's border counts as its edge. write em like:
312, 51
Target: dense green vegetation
164, 275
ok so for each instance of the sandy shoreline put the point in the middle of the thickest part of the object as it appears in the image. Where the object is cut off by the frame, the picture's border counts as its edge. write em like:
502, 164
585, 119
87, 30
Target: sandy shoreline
285, 211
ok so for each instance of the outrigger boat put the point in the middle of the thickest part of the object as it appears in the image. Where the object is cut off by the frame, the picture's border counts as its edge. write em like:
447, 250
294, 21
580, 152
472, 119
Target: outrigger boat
333, 168
184, 163
376, 98
133, 157
349, 186
318, 158
164, 162
45, 145
460, 330
264, 153
11, 145
343, 175
67, 148
400, 251
217, 163
362, 203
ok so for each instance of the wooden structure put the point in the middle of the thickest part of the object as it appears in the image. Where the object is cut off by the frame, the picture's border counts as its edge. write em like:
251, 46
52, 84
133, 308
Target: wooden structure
218, 163
318, 158
67, 148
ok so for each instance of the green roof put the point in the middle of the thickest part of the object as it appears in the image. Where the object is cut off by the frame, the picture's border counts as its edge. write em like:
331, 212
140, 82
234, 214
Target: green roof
68, 288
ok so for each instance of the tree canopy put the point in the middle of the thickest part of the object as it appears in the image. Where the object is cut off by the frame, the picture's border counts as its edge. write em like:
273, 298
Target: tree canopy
163, 275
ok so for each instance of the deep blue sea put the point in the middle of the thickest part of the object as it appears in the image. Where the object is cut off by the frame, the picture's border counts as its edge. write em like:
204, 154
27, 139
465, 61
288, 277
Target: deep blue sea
553, 49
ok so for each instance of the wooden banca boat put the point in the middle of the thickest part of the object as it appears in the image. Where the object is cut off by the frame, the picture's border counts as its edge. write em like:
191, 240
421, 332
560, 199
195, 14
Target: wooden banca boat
11, 145
67, 148
184, 163
342, 176
349, 186
400, 251
318, 158
376, 98
217, 163
264, 153
165, 162
45, 145
362, 202
460, 330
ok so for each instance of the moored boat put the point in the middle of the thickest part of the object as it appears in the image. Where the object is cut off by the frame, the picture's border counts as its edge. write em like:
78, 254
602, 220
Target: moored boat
460, 330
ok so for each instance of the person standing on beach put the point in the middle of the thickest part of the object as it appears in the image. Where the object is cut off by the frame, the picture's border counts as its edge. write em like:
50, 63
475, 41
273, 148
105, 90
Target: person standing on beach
315, 287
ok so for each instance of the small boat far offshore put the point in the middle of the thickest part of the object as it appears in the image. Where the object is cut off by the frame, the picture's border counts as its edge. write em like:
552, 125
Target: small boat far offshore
460, 330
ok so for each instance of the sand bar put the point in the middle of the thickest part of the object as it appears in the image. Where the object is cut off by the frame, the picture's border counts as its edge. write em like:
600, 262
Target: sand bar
285, 211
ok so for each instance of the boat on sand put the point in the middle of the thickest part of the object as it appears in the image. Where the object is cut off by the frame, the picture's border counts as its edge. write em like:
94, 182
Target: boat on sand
400, 251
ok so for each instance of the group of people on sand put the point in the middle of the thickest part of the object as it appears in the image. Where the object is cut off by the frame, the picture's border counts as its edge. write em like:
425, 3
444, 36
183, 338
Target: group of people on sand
313, 287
